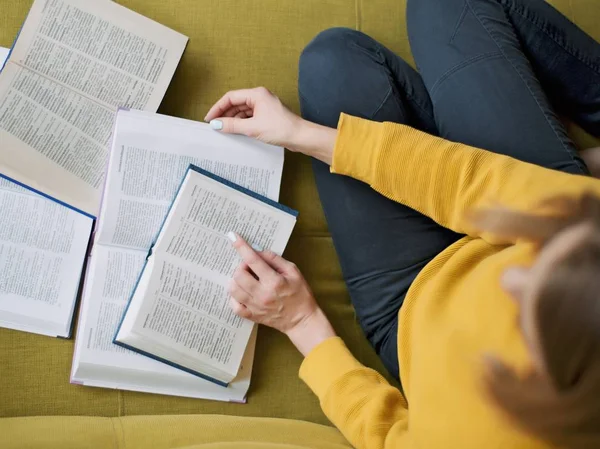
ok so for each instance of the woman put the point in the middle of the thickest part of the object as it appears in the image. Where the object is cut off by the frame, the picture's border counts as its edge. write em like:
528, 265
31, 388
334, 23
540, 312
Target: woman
490, 319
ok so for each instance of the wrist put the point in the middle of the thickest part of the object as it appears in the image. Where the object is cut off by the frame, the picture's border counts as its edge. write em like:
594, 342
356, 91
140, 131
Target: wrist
313, 140
311, 331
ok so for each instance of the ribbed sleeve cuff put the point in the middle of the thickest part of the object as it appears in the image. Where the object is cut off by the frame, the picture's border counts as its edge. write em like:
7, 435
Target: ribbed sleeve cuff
356, 146
325, 364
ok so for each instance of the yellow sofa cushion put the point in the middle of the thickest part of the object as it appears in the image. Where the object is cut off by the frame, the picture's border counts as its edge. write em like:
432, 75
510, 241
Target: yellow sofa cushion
166, 432
233, 44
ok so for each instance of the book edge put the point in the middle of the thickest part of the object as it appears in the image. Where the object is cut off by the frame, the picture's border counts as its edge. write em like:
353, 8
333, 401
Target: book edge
244, 190
173, 364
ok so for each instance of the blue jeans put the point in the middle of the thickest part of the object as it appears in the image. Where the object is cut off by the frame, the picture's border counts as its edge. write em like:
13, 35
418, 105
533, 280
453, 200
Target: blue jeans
493, 74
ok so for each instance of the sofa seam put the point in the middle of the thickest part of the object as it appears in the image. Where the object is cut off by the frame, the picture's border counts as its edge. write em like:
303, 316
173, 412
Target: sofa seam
116, 433
121, 404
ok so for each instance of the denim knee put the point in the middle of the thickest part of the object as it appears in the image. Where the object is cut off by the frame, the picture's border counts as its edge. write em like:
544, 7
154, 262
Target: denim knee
323, 71
323, 55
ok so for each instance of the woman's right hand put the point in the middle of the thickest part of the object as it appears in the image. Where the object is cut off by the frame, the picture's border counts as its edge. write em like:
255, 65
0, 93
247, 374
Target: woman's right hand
260, 114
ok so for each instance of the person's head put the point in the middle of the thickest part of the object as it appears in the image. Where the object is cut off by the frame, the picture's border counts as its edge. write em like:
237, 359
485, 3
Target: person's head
558, 297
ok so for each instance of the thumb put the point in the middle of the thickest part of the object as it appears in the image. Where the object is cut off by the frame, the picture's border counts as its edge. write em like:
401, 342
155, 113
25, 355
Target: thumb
232, 125
276, 262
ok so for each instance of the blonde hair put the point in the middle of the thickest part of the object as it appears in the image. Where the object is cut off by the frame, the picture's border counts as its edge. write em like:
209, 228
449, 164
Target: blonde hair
561, 405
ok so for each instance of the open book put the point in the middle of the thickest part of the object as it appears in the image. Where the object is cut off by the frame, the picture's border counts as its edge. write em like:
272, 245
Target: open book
42, 250
150, 155
179, 312
73, 64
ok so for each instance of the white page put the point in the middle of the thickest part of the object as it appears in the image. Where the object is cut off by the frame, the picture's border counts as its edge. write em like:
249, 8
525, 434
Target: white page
74, 63
3, 55
151, 155
42, 252
180, 310
98, 362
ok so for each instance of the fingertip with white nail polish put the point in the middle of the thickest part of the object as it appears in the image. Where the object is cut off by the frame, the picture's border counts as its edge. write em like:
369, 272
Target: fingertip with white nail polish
231, 236
217, 125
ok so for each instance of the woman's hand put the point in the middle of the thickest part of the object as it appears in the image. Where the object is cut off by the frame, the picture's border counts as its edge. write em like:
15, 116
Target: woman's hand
255, 113
269, 290
259, 114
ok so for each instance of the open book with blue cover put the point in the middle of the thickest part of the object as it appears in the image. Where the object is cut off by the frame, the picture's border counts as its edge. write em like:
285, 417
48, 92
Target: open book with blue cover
179, 312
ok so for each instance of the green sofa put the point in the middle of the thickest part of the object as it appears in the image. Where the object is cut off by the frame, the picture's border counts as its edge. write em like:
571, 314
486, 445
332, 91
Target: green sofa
233, 44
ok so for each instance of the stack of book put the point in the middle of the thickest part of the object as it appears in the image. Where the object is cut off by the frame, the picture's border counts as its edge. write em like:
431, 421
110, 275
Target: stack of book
106, 200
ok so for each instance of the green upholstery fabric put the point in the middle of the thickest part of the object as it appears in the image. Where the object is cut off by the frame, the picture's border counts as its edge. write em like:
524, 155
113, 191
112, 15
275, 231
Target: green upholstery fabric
233, 44
166, 432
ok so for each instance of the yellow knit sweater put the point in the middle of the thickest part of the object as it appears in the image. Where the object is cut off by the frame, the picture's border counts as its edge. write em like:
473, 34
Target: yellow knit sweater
455, 311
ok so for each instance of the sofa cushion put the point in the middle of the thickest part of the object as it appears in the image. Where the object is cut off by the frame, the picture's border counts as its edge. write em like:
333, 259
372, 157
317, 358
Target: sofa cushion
233, 44
165, 432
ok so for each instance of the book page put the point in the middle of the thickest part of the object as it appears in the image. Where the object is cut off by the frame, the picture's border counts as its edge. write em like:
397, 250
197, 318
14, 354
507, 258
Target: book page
3, 55
187, 317
151, 156
112, 274
111, 277
75, 62
182, 303
42, 252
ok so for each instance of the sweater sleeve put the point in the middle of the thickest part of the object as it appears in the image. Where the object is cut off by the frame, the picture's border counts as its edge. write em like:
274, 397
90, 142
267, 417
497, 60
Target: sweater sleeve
443, 179
359, 401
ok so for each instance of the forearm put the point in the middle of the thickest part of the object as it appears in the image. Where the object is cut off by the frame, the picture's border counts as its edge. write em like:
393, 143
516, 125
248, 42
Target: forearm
358, 400
310, 332
313, 140
442, 179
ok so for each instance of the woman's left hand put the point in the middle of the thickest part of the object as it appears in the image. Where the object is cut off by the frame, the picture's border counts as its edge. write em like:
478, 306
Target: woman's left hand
270, 290
258, 113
